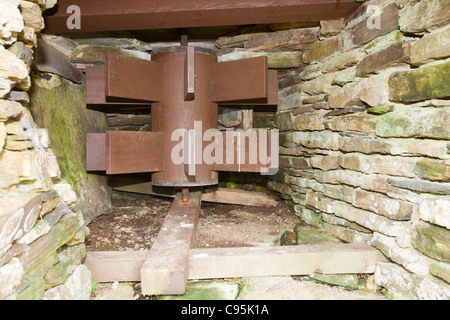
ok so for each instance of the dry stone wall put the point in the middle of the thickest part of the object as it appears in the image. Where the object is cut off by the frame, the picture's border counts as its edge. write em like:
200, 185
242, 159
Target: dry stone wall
364, 121
41, 231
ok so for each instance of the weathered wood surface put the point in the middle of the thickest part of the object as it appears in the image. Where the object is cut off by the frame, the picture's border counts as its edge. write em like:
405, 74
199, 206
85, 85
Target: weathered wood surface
165, 269
115, 15
213, 263
210, 194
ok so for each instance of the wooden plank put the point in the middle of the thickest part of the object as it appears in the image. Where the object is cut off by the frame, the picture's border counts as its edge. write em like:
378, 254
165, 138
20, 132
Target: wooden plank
239, 197
48, 59
110, 266
165, 270
96, 90
115, 15
237, 80
146, 75
272, 94
216, 195
211, 263
189, 75
96, 152
133, 152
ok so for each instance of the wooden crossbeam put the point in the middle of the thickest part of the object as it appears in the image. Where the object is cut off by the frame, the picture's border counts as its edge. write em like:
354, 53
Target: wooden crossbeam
210, 194
212, 263
133, 152
114, 15
245, 79
96, 90
146, 78
165, 269
270, 100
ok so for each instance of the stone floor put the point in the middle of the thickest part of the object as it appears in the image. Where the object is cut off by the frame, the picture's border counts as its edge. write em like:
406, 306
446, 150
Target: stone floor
260, 288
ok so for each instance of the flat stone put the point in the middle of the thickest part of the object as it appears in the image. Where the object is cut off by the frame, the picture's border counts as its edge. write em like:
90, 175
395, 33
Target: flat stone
11, 275
343, 60
409, 258
367, 27
424, 16
441, 270
217, 290
290, 98
392, 208
324, 48
370, 182
276, 60
320, 85
347, 281
407, 122
117, 291
353, 122
286, 40
404, 85
78, 286
419, 185
369, 220
435, 209
322, 140
18, 214
330, 28
431, 47
32, 15
432, 241
394, 55
432, 170
397, 166
400, 284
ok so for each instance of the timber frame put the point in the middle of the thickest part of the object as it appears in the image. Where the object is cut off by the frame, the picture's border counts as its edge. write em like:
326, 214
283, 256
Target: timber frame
115, 15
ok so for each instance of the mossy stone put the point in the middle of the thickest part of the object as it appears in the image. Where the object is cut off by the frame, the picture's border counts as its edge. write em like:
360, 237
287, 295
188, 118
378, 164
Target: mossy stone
59, 105
433, 241
217, 290
432, 82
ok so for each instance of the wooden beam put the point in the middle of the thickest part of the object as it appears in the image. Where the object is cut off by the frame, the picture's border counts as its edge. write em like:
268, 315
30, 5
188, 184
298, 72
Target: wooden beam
282, 261
245, 79
146, 75
96, 151
114, 15
272, 94
96, 90
210, 194
211, 263
165, 269
133, 151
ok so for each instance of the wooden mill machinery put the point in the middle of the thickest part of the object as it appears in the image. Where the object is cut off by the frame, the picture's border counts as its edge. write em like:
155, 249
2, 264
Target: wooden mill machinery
185, 87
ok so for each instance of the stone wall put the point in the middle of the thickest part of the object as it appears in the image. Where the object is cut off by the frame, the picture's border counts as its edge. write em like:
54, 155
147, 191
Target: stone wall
41, 229
364, 121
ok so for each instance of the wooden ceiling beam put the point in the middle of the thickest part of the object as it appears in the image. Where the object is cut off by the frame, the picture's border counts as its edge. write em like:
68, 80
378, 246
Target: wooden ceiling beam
118, 15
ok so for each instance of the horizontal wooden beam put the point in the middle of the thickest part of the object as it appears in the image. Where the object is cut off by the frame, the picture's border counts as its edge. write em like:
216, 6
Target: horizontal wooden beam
212, 263
217, 195
115, 15
146, 78
133, 152
245, 79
